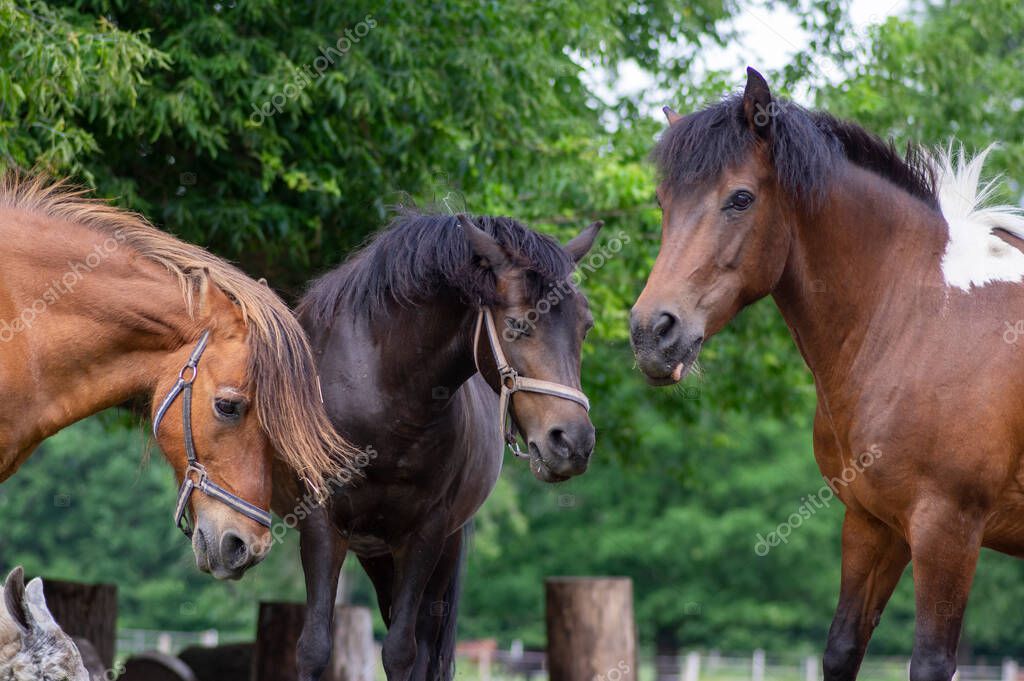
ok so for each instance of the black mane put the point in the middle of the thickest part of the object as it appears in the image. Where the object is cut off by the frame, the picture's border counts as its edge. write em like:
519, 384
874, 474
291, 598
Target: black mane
418, 255
805, 146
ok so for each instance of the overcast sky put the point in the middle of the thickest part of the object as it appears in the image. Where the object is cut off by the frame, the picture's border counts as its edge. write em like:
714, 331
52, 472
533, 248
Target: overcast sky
768, 40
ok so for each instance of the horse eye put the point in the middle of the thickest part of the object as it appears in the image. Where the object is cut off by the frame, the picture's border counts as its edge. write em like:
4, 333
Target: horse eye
515, 328
228, 410
740, 200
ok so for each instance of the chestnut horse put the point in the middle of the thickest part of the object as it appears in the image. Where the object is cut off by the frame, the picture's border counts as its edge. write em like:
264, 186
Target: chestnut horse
98, 308
400, 332
897, 285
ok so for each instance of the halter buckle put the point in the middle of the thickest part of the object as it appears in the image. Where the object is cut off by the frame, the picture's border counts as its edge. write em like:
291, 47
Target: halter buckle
199, 469
192, 377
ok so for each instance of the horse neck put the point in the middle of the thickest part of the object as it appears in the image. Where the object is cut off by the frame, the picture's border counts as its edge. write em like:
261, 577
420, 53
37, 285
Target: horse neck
431, 354
857, 273
103, 322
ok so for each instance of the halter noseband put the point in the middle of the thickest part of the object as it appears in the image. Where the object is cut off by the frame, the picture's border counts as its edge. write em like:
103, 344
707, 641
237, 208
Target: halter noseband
512, 382
186, 377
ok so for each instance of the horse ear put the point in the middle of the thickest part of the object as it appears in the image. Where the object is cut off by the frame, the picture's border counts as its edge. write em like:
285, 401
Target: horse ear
35, 604
205, 306
14, 600
581, 244
671, 115
758, 107
483, 244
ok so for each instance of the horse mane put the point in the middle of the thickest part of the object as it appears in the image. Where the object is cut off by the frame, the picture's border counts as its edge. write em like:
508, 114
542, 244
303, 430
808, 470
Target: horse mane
417, 255
281, 366
805, 147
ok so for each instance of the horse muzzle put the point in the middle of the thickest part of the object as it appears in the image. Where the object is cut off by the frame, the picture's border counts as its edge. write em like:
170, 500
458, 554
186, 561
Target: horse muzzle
564, 452
228, 553
665, 346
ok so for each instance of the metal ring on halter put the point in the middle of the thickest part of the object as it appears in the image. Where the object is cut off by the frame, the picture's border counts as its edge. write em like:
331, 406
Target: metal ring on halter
183, 387
511, 382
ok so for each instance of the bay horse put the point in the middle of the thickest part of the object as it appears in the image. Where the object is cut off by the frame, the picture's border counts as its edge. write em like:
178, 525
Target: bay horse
98, 308
412, 365
897, 284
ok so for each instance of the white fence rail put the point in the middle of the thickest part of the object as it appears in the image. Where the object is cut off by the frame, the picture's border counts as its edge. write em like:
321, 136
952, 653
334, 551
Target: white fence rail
714, 666
689, 666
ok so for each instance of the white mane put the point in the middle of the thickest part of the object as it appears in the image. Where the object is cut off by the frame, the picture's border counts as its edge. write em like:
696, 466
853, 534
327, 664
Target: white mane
974, 255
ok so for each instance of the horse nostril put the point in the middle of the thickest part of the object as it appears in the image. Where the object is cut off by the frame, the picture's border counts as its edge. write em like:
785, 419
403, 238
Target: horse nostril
234, 551
666, 322
579, 444
558, 441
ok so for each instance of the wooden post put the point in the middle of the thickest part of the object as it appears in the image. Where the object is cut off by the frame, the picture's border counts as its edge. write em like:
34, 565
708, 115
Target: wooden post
277, 634
692, 670
810, 668
86, 611
232, 662
757, 666
590, 627
154, 666
353, 657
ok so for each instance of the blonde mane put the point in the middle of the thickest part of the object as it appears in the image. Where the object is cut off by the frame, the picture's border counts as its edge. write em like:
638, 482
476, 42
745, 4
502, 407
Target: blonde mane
281, 366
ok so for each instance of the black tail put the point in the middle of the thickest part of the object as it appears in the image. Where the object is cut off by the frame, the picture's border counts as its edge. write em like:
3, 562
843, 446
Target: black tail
442, 658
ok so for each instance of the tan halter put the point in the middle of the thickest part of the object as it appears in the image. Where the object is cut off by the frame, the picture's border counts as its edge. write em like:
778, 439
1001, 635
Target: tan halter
512, 382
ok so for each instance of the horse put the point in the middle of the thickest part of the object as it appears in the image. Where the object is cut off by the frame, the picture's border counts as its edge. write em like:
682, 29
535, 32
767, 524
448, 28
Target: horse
416, 372
33, 647
98, 308
896, 280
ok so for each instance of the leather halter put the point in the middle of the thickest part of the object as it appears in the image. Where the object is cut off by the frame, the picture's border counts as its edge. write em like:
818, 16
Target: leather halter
512, 382
202, 482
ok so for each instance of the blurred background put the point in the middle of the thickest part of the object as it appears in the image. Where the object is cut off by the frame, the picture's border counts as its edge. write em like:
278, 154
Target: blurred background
280, 134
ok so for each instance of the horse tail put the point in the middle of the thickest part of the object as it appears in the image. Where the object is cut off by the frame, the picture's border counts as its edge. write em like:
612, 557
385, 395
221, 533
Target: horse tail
442, 658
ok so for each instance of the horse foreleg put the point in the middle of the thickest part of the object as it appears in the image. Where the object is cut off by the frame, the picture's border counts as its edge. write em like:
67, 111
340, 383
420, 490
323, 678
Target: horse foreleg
874, 558
414, 564
945, 540
323, 553
381, 571
435, 630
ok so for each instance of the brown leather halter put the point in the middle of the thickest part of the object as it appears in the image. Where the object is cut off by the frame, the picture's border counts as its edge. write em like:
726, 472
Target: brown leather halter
186, 377
512, 382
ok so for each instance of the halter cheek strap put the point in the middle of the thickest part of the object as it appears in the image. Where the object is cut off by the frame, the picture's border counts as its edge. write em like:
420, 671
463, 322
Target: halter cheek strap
196, 470
512, 382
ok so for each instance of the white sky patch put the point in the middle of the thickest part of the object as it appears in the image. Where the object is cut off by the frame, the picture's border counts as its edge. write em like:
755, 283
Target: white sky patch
767, 40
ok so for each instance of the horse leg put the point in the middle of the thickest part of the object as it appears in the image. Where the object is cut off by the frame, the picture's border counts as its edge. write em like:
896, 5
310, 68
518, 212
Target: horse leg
323, 553
381, 571
945, 540
874, 558
435, 629
414, 564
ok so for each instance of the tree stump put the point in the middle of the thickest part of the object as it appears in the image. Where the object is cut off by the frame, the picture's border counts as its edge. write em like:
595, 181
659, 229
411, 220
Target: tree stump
354, 657
232, 662
277, 635
86, 611
590, 628
155, 667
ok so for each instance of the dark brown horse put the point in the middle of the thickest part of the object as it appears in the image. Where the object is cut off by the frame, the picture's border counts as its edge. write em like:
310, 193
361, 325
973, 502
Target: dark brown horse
98, 308
898, 288
399, 332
